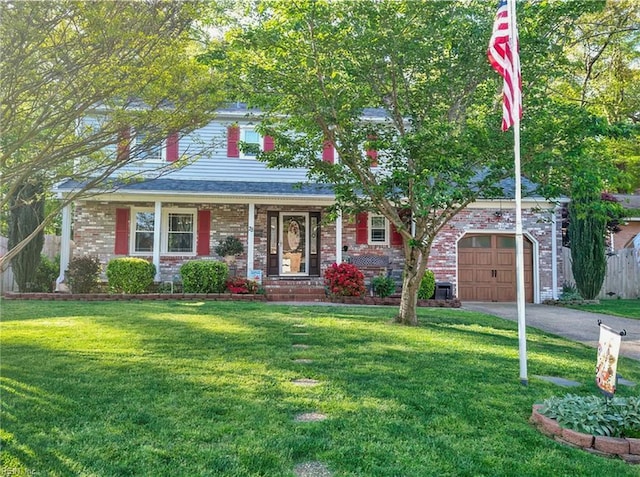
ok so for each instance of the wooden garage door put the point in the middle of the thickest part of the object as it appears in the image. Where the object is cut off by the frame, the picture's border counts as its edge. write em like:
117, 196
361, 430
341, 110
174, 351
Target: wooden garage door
487, 268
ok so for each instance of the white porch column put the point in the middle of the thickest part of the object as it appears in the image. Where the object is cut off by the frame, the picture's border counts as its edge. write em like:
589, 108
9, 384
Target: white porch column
554, 253
157, 235
339, 238
65, 246
251, 222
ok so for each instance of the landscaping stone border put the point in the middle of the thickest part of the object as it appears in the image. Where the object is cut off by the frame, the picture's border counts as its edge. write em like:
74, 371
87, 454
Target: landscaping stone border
394, 301
129, 297
627, 448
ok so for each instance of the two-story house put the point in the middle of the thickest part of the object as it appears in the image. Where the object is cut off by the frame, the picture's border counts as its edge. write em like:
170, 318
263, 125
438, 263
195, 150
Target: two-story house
288, 242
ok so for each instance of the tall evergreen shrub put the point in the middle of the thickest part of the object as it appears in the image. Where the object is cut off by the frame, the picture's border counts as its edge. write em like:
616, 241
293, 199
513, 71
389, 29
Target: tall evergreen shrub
26, 212
587, 233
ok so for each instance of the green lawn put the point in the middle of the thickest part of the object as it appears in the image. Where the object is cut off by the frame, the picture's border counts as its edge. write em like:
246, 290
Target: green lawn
625, 308
205, 389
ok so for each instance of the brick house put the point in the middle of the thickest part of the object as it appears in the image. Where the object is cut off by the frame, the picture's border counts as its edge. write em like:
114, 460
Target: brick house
288, 242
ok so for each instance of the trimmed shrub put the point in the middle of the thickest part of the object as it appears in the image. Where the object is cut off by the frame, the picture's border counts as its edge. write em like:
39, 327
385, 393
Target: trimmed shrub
130, 275
427, 286
344, 280
46, 274
383, 286
242, 286
83, 274
204, 276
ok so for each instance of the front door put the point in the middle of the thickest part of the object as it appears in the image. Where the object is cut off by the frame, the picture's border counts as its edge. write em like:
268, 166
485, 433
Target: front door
293, 243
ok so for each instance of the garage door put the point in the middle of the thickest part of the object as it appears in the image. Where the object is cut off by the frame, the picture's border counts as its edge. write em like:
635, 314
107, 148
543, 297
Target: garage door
487, 268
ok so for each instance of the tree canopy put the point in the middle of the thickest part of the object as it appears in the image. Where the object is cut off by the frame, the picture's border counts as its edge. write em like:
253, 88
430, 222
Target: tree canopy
410, 80
127, 64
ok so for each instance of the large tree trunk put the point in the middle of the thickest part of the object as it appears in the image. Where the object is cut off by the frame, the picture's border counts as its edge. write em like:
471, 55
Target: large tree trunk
413, 272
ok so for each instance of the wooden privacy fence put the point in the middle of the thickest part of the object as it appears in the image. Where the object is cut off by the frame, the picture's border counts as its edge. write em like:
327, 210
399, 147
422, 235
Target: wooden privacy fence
50, 248
623, 273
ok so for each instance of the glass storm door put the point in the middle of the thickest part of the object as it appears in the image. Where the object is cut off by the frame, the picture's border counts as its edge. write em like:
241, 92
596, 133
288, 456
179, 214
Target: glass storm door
294, 253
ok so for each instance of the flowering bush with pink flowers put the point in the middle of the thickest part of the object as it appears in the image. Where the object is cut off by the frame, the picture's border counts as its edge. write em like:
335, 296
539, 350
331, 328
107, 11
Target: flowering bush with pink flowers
344, 279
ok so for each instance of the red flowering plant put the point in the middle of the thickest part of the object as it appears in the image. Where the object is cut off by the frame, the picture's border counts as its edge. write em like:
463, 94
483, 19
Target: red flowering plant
241, 285
344, 279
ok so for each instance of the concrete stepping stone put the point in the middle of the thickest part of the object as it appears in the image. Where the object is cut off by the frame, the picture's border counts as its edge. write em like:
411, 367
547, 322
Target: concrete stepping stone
299, 325
301, 346
310, 417
312, 469
303, 361
567, 383
625, 382
300, 334
305, 382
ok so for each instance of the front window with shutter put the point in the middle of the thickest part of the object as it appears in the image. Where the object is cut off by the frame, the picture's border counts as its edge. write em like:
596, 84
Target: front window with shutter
378, 230
180, 237
143, 233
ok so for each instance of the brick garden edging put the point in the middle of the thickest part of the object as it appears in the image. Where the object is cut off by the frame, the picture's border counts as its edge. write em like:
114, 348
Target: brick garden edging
129, 297
627, 448
394, 301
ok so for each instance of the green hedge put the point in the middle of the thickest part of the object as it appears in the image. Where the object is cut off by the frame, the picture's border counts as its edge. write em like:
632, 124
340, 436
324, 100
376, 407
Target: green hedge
204, 276
130, 275
427, 286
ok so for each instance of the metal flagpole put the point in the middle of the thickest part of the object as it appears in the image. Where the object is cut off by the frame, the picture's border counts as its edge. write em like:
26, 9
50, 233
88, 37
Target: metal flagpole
520, 293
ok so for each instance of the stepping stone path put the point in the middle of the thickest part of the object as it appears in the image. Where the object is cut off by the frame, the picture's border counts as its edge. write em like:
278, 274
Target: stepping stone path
313, 468
567, 383
305, 382
310, 417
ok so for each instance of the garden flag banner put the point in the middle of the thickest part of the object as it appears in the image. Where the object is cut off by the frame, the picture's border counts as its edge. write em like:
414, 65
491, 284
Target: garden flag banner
505, 59
608, 349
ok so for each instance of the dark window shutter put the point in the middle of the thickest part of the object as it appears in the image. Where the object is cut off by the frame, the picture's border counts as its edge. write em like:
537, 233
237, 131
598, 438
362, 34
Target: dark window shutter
362, 228
268, 143
396, 237
328, 152
372, 153
172, 147
204, 232
122, 232
233, 137
124, 144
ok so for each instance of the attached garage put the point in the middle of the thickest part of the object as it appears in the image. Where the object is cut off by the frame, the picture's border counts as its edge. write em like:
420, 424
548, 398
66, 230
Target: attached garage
487, 268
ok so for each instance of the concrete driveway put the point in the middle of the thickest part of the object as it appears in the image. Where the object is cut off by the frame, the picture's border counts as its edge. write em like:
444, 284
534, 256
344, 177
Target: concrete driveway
572, 324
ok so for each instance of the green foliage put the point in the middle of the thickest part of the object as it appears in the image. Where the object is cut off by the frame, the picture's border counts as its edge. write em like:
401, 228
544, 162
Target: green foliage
46, 273
427, 285
130, 275
569, 292
383, 285
26, 212
617, 417
229, 246
588, 249
66, 58
344, 279
83, 274
204, 276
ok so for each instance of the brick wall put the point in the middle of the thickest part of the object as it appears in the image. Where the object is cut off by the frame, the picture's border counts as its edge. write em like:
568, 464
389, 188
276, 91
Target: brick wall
94, 234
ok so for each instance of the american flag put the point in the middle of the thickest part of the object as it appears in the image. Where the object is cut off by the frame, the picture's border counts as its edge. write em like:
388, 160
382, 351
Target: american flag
506, 61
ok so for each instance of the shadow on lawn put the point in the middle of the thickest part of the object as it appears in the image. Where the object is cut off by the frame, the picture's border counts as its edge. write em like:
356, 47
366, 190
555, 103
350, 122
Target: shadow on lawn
185, 393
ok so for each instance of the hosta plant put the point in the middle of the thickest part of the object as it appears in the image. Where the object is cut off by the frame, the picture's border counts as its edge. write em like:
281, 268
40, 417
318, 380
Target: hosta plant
596, 415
